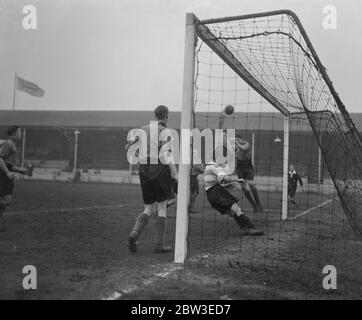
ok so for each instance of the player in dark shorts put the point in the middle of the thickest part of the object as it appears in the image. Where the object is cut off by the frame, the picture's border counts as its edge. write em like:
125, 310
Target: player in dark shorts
293, 178
7, 169
222, 200
155, 182
245, 170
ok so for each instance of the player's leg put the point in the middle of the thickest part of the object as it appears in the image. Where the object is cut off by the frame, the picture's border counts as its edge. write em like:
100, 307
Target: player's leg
193, 198
247, 192
289, 192
293, 189
194, 191
162, 187
225, 203
148, 195
243, 221
255, 193
160, 226
172, 200
241, 172
292, 200
249, 176
139, 225
6, 198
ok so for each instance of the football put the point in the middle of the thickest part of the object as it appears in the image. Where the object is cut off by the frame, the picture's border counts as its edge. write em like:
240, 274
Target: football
229, 109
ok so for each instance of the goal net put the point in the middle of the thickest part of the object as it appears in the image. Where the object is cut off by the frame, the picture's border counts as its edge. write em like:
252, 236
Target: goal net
265, 66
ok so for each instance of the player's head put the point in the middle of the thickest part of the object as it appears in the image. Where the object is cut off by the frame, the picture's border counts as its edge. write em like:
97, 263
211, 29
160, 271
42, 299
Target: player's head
161, 113
291, 167
14, 132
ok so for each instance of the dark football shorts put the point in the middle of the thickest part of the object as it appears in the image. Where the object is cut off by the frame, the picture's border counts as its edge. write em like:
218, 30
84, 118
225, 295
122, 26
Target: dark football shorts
220, 199
245, 169
155, 182
6, 185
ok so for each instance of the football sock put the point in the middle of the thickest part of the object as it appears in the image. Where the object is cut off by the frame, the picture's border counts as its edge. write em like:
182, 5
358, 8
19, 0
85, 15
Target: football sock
162, 209
192, 201
139, 225
256, 198
250, 199
236, 210
160, 235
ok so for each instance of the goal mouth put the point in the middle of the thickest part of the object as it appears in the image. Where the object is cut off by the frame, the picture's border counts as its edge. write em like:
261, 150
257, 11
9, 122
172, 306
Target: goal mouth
273, 54
284, 104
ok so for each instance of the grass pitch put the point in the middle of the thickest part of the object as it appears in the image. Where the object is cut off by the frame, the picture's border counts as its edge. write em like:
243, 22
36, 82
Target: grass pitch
76, 237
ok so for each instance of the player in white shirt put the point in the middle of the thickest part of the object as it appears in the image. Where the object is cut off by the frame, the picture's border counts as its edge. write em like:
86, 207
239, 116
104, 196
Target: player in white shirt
215, 176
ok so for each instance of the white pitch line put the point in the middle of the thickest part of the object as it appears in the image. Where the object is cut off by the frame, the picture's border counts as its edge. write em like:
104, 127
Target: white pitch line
65, 209
132, 288
311, 209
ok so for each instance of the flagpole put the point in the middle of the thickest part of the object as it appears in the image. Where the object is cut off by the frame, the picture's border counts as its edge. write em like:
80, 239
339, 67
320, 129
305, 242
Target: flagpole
14, 93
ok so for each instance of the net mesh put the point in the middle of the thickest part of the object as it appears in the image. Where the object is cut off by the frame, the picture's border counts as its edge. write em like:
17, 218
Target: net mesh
264, 66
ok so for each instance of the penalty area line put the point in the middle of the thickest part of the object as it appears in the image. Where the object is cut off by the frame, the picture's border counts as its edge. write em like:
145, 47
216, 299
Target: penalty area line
169, 269
312, 209
59, 210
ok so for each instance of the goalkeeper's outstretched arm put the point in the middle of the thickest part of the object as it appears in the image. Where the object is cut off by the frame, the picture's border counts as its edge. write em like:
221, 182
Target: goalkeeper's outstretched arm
229, 179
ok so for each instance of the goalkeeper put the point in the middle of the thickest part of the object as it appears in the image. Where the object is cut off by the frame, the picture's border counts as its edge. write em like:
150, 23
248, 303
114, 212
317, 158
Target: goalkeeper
216, 175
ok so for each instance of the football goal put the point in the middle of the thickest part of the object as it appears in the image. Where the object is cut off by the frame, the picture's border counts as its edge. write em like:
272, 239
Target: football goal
285, 106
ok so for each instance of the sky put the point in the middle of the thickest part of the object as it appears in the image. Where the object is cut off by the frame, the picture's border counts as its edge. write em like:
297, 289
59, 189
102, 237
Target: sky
128, 54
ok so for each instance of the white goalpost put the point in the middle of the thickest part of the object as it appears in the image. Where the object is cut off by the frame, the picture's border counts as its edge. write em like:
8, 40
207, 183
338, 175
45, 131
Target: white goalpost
285, 167
183, 193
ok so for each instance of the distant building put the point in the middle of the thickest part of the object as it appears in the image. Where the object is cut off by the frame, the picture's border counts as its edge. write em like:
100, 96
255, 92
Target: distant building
103, 135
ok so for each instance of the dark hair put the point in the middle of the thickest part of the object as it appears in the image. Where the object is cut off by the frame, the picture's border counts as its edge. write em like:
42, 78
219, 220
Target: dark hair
161, 112
11, 130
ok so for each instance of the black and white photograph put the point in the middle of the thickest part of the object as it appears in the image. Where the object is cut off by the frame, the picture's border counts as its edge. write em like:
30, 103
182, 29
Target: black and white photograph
188, 151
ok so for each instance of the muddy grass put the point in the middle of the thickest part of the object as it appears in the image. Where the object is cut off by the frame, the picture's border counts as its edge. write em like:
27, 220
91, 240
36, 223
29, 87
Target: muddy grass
75, 235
